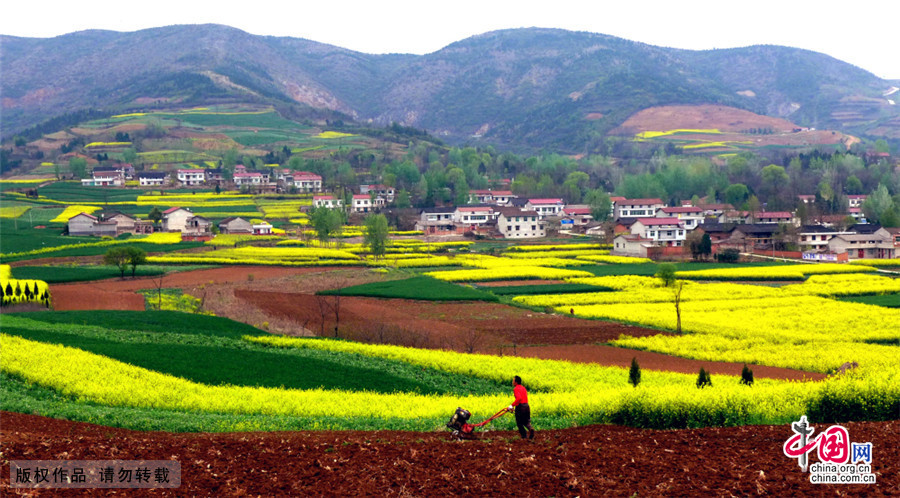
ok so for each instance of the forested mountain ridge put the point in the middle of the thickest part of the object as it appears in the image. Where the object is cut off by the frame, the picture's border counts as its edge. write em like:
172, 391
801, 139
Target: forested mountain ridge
531, 88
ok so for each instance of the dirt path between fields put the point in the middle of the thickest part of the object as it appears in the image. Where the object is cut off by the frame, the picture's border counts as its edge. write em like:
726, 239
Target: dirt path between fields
282, 300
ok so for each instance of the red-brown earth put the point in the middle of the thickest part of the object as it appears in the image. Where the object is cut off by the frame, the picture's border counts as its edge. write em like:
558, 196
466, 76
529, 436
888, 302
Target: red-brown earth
585, 461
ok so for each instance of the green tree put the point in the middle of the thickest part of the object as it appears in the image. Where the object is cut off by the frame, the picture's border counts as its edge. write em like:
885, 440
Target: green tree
155, 215
136, 256
325, 222
665, 272
634, 374
736, 194
877, 204
376, 235
600, 204
129, 155
703, 379
774, 181
78, 167
747, 376
119, 257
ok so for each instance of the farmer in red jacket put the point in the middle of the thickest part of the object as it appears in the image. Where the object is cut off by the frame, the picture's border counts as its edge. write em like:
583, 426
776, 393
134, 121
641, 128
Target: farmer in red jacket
523, 411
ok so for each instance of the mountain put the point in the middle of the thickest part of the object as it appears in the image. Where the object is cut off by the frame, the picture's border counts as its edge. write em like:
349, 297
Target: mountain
533, 88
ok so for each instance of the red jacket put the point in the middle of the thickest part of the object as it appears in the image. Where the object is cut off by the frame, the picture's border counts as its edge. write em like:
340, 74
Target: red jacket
521, 395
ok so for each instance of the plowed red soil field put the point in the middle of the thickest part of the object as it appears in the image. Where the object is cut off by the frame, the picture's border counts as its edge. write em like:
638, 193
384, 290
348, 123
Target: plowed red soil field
585, 461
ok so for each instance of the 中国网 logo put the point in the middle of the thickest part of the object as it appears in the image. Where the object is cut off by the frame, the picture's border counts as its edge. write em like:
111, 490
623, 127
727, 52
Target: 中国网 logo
840, 461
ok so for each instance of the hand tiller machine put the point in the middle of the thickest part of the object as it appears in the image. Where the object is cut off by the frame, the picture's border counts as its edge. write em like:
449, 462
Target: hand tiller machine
462, 429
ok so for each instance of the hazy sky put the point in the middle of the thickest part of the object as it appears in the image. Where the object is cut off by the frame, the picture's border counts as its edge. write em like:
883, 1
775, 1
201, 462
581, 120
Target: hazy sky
864, 32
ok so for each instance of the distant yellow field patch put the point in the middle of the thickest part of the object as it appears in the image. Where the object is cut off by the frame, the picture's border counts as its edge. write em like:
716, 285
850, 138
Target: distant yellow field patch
655, 134
334, 134
106, 144
71, 211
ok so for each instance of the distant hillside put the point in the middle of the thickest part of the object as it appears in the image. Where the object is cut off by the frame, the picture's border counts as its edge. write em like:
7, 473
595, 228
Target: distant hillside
528, 88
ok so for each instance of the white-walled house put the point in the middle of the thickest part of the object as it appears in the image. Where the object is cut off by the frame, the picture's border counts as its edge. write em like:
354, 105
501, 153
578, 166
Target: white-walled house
328, 201
546, 207
662, 231
514, 223
305, 181
191, 176
473, 215
362, 204
152, 178
436, 221
105, 177
175, 219
637, 208
248, 178
690, 216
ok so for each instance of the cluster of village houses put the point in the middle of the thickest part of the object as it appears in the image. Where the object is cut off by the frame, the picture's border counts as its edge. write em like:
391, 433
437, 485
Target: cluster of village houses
641, 227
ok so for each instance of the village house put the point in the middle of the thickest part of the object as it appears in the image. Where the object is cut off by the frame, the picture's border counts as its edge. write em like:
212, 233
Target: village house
382, 191
252, 178
855, 201
546, 207
190, 177
806, 198
662, 231
126, 223
175, 219
637, 208
197, 226
436, 221
152, 178
690, 216
85, 225
576, 216
364, 203
493, 197
262, 229
105, 177
473, 216
328, 201
815, 238
877, 244
754, 236
235, 225
631, 245
304, 181
214, 176
514, 223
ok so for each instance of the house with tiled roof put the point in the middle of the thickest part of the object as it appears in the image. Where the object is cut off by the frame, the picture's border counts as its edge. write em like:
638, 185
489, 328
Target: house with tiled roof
636, 208
690, 216
328, 201
662, 231
513, 223
437, 221
189, 177
545, 207
175, 219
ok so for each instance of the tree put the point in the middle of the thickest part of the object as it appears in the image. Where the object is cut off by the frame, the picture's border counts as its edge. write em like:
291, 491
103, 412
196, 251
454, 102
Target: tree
78, 167
600, 204
634, 374
705, 246
119, 257
703, 379
376, 235
747, 376
694, 242
136, 256
678, 288
325, 222
877, 204
736, 194
155, 215
666, 273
